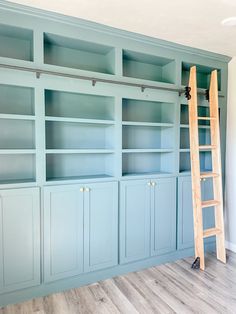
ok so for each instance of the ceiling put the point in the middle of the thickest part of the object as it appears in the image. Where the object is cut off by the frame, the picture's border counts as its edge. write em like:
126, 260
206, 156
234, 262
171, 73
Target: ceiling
195, 23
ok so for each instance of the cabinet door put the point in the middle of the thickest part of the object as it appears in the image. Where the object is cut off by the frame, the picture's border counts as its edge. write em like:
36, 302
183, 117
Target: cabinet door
135, 208
101, 226
63, 231
185, 213
163, 216
20, 238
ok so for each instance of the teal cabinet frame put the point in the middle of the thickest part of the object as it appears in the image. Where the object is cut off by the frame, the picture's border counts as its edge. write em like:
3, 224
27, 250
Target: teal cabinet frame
20, 239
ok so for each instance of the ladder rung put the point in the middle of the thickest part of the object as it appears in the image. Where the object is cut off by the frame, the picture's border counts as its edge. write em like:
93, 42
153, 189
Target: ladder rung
207, 147
206, 118
210, 203
204, 175
211, 232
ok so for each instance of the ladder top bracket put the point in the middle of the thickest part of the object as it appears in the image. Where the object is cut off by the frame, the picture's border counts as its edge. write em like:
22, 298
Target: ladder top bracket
187, 91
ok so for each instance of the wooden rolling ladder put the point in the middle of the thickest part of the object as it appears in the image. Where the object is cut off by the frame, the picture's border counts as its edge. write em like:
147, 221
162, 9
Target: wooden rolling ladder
197, 176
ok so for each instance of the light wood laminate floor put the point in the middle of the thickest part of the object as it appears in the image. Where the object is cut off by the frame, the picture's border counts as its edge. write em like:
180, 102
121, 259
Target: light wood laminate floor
169, 288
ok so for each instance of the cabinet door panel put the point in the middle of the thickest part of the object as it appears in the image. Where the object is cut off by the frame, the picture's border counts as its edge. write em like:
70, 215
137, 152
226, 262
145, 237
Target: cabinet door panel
63, 232
185, 213
163, 216
135, 208
20, 241
101, 226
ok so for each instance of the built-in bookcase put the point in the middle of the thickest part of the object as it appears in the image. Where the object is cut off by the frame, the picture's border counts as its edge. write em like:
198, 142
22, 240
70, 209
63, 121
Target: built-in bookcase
78, 54
16, 43
79, 137
17, 135
148, 67
147, 137
203, 75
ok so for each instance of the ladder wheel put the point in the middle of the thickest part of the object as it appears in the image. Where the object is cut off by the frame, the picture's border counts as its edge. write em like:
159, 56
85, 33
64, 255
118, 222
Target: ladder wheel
196, 263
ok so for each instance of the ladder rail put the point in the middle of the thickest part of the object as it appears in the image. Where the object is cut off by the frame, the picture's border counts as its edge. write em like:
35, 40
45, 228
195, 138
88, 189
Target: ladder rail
216, 166
195, 169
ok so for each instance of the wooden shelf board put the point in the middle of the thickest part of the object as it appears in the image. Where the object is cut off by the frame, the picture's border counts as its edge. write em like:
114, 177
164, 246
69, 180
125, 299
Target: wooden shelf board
17, 151
186, 126
73, 178
154, 173
17, 117
79, 151
78, 120
17, 181
158, 150
148, 124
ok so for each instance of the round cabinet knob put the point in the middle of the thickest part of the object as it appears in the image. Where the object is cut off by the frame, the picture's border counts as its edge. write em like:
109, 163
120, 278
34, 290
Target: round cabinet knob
87, 189
154, 184
81, 189
149, 183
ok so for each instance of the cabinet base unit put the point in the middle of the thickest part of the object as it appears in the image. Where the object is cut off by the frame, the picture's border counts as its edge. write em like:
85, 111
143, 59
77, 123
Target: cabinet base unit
94, 276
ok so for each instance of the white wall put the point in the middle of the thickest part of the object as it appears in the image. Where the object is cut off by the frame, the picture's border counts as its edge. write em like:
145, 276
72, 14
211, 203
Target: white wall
230, 204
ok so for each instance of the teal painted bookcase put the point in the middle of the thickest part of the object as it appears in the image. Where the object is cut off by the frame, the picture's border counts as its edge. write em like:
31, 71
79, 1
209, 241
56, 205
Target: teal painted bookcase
94, 175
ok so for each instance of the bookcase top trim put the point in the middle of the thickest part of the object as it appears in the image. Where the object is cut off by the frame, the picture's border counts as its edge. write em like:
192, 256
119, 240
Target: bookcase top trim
77, 22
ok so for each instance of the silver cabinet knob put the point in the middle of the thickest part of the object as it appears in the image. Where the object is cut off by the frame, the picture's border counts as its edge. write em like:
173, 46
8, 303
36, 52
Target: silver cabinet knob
87, 189
149, 183
154, 184
81, 189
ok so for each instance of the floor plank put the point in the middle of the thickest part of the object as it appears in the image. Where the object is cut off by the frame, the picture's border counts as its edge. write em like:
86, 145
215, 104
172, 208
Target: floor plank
165, 289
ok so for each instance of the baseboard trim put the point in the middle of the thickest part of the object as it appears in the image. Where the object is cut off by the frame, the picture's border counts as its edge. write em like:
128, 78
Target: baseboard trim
230, 246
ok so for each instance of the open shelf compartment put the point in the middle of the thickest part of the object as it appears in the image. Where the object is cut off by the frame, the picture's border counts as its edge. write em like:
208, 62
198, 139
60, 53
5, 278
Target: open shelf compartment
79, 166
205, 161
148, 67
147, 163
78, 54
17, 168
147, 111
16, 100
17, 134
203, 134
203, 75
75, 105
203, 111
147, 137
67, 135
16, 43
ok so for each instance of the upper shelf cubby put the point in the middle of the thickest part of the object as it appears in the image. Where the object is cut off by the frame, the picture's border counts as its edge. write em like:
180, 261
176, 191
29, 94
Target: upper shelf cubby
203, 75
16, 43
80, 106
148, 67
16, 100
134, 110
78, 54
